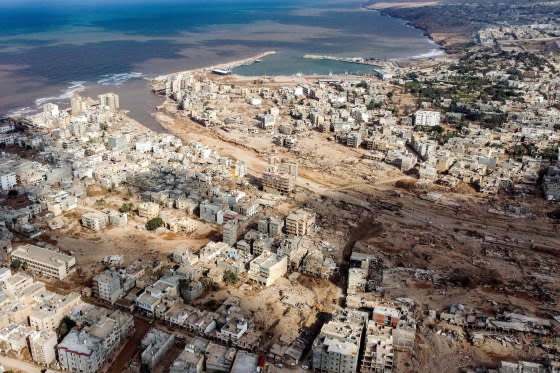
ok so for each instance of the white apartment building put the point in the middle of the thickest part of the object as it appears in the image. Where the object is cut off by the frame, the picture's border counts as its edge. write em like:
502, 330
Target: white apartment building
427, 118
107, 286
95, 220
42, 345
80, 352
44, 262
110, 100
336, 348
8, 180
267, 268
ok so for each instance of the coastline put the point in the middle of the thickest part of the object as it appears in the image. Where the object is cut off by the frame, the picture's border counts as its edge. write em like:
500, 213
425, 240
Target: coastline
383, 7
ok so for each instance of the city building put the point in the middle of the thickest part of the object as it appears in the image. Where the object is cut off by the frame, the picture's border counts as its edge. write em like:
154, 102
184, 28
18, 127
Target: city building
300, 222
44, 262
109, 100
48, 314
280, 177
229, 234
267, 268
95, 220
42, 345
336, 348
80, 352
219, 358
378, 355
148, 210
245, 362
107, 286
8, 179
154, 347
427, 118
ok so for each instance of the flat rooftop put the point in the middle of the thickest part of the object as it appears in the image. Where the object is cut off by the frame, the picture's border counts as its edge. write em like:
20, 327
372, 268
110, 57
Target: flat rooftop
43, 255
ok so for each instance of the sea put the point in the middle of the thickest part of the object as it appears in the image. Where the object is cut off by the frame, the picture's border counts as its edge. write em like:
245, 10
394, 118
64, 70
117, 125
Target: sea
53, 48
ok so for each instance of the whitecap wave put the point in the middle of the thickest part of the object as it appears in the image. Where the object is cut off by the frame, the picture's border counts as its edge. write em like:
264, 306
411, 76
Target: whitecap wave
20, 112
430, 54
118, 79
74, 87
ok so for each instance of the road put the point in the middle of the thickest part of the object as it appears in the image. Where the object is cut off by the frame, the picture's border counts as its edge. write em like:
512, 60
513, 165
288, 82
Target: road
22, 366
130, 349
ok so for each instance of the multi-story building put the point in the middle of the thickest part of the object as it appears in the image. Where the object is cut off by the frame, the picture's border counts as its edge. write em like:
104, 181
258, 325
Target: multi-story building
48, 314
378, 351
155, 345
80, 352
230, 232
42, 345
148, 210
8, 180
219, 358
110, 100
280, 177
427, 118
336, 348
267, 268
44, 262
107, 286
386, 316
271, 226
95, 220
300, 222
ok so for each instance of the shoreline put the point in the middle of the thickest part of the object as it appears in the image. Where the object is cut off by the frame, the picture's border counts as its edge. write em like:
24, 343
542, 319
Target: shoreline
370, 6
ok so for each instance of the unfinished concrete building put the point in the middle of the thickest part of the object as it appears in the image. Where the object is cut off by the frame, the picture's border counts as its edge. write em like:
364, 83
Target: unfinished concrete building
378, 351
280, 177
404, 335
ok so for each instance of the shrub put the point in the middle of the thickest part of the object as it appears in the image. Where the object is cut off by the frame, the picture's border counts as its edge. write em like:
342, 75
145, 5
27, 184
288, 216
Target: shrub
230, 277
154, 224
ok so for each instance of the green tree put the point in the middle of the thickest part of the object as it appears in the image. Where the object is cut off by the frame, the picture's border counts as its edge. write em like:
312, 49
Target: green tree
550, 152
16, 264
66, 324
230, 277
126, 207
154, 224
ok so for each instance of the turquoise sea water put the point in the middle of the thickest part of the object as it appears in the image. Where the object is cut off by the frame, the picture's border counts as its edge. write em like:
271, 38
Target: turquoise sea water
48, 49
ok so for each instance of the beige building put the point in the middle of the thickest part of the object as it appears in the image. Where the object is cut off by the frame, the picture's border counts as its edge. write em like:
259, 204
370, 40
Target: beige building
336, 348
95, 220
44, 262
280, 177
110, 100
378, 352
148, 210
267, 268
300, 222
47, 316
42, 345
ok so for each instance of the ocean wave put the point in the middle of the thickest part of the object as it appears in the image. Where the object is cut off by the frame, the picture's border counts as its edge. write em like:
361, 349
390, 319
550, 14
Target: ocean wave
20, 112
67, 94
118, 79
430, 54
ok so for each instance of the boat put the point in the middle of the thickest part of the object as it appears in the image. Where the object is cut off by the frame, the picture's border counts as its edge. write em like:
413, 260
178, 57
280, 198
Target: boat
221, 71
